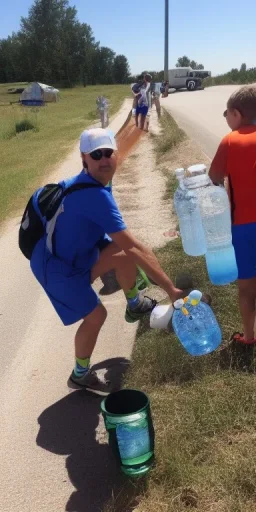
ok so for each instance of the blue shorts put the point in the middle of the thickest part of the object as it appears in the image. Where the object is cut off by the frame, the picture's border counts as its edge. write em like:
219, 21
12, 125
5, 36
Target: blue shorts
142, 110
244, 242
69, 289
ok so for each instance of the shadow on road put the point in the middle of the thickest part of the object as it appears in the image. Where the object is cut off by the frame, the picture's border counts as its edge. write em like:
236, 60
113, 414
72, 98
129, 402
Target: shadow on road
68, 427
174, 91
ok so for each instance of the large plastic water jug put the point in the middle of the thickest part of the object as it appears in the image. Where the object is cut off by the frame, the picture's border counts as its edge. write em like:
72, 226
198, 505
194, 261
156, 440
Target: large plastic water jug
187, 208
216, 219
161, 316
195, 325
196, 170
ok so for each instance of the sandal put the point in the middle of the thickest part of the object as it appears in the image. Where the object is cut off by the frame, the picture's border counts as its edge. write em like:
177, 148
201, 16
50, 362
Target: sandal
238, 337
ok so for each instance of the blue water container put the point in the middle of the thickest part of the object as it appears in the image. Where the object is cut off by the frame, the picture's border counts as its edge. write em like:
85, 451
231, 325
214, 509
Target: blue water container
216, 220
221, 265
195, 325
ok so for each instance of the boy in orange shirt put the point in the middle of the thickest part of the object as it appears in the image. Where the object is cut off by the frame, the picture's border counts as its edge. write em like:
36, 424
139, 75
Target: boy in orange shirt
236, 160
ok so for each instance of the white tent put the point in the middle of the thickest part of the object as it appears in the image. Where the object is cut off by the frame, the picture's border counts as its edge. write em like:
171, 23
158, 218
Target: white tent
37, 94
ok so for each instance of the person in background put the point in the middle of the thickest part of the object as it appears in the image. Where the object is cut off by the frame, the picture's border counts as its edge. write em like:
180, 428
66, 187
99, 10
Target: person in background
136, 88
236, 160
144, 103
165, 89
147, 84
156, 98
166, 92
148, 88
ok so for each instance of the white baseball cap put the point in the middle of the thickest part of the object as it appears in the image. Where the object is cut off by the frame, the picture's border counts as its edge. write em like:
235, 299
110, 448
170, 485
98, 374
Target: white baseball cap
97, 138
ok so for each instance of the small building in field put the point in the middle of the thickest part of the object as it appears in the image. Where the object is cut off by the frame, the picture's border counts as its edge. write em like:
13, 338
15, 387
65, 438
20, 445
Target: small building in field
37, 94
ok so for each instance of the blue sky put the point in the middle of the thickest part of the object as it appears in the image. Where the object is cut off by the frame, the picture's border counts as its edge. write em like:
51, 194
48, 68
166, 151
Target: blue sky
220, 34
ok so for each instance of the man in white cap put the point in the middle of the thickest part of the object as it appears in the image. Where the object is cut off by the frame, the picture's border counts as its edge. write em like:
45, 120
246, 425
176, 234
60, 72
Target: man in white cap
90, 238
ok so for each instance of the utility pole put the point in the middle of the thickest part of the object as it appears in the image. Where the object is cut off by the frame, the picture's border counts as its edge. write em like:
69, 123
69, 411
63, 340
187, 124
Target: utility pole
166, 40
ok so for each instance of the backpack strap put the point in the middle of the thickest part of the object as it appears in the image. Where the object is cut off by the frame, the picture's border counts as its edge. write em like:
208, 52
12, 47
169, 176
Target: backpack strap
80, 186
50, 226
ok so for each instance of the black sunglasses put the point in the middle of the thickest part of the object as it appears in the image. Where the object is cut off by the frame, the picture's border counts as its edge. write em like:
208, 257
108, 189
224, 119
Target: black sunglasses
98, 154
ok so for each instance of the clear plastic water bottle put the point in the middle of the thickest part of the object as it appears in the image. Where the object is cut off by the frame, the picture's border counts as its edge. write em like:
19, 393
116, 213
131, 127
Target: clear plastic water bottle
188, 212
216, 219
195, 325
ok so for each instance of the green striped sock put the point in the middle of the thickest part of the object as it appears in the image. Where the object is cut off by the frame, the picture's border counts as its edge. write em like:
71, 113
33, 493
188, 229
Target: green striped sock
82, 366
132, 297
132, 292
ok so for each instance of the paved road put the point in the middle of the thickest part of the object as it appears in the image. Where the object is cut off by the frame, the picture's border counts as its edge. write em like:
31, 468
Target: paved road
200, 114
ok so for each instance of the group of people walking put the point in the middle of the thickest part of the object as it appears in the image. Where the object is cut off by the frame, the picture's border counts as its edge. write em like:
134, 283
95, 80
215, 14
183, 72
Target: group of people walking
145, 94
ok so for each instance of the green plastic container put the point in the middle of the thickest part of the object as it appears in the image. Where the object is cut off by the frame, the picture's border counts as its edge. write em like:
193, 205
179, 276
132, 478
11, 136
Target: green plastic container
142, 280
130, 430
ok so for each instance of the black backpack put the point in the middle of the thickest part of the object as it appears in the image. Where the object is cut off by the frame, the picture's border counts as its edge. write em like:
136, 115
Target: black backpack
41, 210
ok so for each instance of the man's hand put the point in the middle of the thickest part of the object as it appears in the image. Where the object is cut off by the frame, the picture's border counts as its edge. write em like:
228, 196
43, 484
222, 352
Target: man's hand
177, 294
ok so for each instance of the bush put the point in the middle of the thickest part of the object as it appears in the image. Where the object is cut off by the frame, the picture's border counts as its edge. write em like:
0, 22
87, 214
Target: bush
25, 125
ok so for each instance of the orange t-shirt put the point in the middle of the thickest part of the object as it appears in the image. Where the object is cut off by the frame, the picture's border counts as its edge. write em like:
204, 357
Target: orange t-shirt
236, 159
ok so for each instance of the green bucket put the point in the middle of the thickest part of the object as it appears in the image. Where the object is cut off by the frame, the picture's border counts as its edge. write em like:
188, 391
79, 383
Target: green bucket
142, 280
130, 430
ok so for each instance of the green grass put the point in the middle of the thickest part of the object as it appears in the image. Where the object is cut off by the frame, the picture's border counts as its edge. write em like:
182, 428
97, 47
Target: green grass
171, 135
27, 156
204, 409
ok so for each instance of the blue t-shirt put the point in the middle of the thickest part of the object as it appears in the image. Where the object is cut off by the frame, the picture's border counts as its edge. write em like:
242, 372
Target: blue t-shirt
87, 216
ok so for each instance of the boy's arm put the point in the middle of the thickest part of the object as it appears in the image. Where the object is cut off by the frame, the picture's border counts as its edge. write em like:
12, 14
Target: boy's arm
219, 166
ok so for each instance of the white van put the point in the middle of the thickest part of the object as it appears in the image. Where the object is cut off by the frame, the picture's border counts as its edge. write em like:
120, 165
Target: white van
187, 78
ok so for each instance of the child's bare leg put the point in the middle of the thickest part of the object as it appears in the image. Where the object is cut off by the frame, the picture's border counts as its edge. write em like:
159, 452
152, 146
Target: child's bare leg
135, 102
247, 299
142, 122
137, 120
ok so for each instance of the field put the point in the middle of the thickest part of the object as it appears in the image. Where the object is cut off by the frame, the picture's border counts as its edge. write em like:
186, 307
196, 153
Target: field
30, 154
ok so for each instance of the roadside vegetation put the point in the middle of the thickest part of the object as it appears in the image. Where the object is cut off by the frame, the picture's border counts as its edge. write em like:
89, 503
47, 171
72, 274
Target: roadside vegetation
204, 408
235, 76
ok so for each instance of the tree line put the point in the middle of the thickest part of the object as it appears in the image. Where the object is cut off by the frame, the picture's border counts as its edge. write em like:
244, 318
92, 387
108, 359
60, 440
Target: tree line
185, 62
240, 75
52, 46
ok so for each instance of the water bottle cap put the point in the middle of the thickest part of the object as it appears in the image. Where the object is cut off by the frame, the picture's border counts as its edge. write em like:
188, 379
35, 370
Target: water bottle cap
194, 170
195, 297
180, 173
197, 181
178, 304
